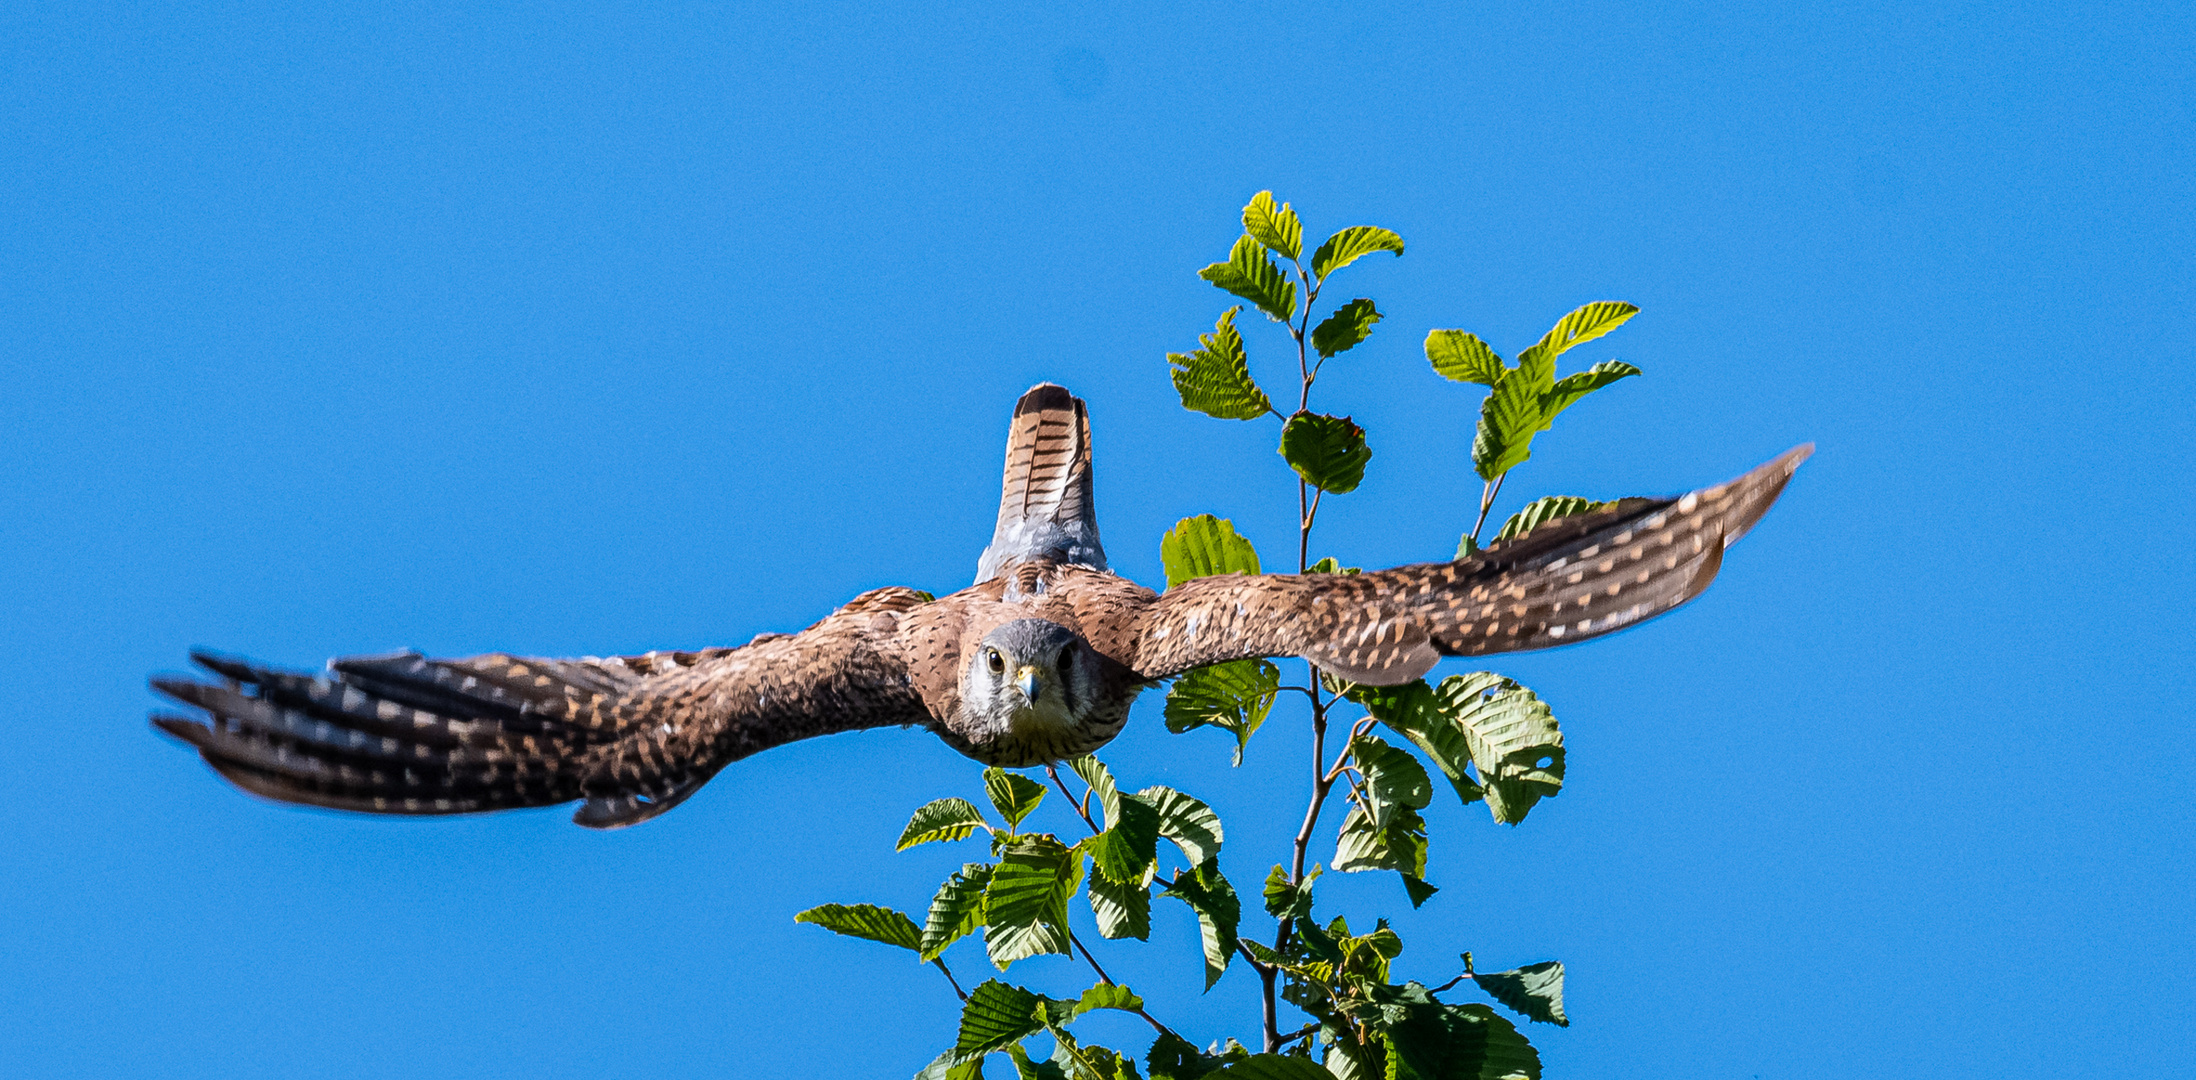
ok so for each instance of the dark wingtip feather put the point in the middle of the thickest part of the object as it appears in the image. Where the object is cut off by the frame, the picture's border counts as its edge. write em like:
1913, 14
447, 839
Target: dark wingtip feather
184, 728
226, 665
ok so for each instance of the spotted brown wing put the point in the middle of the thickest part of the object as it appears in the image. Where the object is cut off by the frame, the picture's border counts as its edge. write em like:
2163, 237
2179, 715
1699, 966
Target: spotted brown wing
632, 736
1568, 580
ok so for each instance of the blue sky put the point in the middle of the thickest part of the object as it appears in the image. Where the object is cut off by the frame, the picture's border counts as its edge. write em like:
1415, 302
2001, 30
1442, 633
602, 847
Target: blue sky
566, 329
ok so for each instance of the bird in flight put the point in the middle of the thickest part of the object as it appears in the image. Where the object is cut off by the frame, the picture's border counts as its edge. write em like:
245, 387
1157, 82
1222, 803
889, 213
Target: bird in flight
1037, 662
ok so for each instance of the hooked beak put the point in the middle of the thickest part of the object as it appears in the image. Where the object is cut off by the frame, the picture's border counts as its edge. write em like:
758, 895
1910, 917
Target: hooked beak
1027, 678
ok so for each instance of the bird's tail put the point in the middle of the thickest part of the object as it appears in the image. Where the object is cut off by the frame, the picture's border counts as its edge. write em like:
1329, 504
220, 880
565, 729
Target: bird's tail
1045, 505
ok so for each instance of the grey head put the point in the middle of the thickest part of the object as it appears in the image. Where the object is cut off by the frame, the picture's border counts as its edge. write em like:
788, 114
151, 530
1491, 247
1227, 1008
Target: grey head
1031, 694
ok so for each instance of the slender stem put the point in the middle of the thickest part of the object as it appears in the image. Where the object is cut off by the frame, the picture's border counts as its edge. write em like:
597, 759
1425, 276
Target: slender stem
1078, 943
1487, 493
948, 973
1082, 806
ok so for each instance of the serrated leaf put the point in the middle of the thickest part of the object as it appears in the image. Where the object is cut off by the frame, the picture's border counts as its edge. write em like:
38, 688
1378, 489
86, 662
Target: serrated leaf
1027, 1069
1078, 1061
1025, 905
1125, 850
1413, 711
1252, 275
1173, 1057
1215, 380
1012, 794
1394, 780
1568, 389
1344, 330
1208, 893
867, 921
1188, 822
1108, 996
1581, 326
1459, 1042
1466, 547
1318, 944
941, 819
1418, 890
1286, 901
1203, 546
996, 1016
1366, 845
1122, 911
949, 1066
1513, 738
1534, 991
1273, 1067
1347, 246
1329, 452
1234, 696
1461, 357
957, 910
1543, 510
1508, 420
1329, 565
1277, 228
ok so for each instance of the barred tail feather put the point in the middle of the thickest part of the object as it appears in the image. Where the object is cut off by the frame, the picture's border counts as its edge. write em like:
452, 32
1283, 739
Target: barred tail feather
1046, 510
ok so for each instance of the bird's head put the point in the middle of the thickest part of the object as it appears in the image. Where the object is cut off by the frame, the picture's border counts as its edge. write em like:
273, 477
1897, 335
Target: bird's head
1030, 683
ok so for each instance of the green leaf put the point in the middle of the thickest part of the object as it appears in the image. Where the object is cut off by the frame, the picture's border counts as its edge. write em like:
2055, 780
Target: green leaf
1208, 893
1535, 991
1399, 845
1461, 357
1234, 696
1342, 331
1215, 380
1328, 565
1508, 420
1173, 1057
1394, 780
1252, 275
1418, 890
1318, 944
1188, 822
1458, 1042
1568, 389
942, 819
1012, 794
1124, 852
1278, 229
1345, 247
1579, 327
866, 921
1540, 511
1025, 905
1466, 547
1327, 451
996, 1016
957, 910
1122, 911
949, 1066
1286, 901
1077, 1061
1273, 1067
1203, 546
1513, 738
1413, 711
1026, 1069
1108, 996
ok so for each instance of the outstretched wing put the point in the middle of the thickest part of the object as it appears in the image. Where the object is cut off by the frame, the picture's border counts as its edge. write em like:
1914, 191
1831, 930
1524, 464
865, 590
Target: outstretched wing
1568, 580
633, 736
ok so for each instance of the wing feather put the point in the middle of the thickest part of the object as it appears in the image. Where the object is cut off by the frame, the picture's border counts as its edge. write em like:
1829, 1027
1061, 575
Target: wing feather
1569, 580
633, 736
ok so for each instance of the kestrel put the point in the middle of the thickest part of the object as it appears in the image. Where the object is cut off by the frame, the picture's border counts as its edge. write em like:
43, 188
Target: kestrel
1037, 662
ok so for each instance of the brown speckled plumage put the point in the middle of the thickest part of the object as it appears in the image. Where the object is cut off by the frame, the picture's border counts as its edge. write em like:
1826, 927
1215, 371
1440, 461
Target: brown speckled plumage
633, 736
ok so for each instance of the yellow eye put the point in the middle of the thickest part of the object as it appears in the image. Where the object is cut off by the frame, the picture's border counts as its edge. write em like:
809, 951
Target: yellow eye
996, 661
